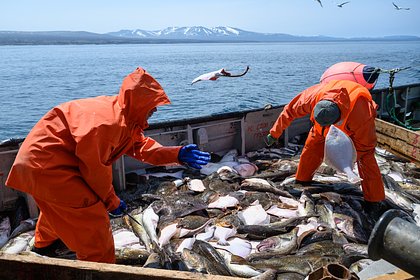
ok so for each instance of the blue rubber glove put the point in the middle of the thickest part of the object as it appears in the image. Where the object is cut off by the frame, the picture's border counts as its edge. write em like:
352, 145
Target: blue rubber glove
271, 140
192, 156
121, 209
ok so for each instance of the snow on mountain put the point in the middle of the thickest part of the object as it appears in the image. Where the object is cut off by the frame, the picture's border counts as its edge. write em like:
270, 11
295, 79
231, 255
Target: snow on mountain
193, 32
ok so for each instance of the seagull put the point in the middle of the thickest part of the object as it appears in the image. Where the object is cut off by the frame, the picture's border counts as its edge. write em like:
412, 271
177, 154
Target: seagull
399, 8
212, 76
320, 3
342, 4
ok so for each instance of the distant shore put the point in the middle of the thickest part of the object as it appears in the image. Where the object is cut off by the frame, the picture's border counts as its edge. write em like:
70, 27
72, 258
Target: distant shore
84, 38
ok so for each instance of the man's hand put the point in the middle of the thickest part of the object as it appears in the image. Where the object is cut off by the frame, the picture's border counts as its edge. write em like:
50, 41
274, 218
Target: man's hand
271, 140
120, 209
192, 156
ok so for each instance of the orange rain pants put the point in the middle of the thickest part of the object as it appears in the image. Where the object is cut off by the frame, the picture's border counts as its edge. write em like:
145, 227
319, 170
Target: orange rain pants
86, 231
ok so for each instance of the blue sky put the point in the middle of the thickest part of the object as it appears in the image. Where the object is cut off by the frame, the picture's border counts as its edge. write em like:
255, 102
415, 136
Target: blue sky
359, 18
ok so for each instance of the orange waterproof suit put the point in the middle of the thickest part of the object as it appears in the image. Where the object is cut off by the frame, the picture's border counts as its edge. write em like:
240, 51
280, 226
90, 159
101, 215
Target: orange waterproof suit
358, 112
66, 163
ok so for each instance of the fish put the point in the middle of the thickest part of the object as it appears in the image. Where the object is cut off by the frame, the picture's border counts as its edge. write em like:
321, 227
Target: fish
214, 75
167, 232
340, 153
125, 238
356, 248
268, 274
193, 222
272, 153
309, 236
196, 185
239, 270
177, 205
321, 248
24, 226
282, 244
217, 262
351, 228
150, 220
153, 261
360, 265
139, 229
131, 255
185, 243
19, 243
258, 184
207, 234
323, 225
221, 234
254, 215
4, 231
282, 213
246, 169
306, 205
303, 264
177, 175
267, 230
194, 261
237, 246
177, 229
224, 202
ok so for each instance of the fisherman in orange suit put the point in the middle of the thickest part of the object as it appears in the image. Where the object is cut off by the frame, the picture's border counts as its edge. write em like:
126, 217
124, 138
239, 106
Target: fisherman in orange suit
341, 98
65, 163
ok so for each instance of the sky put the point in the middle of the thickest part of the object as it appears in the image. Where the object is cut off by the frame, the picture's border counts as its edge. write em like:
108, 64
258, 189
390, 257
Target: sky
359, 18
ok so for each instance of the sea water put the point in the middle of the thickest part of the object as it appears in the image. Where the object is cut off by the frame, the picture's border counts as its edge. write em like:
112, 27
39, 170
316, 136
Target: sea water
35, 78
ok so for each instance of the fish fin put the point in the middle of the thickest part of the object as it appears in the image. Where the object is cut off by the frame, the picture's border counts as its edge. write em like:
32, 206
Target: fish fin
223, 242
235, 259
354, 179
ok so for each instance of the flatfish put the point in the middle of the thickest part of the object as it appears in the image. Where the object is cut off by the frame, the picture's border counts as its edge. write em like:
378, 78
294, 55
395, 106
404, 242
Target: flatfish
340, 153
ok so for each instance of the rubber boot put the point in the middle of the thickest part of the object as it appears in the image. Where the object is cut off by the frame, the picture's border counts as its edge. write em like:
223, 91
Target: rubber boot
374, 209
49, 251
55, 250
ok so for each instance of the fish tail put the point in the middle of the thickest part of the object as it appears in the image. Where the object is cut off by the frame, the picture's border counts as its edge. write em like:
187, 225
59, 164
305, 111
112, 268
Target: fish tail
353, 178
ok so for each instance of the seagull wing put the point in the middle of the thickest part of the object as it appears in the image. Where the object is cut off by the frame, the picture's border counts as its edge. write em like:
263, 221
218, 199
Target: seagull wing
396, 7
320, 3
342, 4
211, 76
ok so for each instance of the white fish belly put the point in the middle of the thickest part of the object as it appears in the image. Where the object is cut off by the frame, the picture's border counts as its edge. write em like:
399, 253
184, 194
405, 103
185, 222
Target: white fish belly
340, 154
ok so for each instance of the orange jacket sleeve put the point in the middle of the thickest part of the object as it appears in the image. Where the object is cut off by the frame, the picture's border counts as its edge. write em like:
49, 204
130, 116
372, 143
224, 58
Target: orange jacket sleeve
300, 106
150, 151
93, 155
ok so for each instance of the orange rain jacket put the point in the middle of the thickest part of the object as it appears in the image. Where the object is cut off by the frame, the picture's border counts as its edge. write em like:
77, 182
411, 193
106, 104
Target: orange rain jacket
358, 112
66, 163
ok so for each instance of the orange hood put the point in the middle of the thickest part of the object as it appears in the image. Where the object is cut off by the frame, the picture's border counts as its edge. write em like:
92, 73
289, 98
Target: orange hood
140, 93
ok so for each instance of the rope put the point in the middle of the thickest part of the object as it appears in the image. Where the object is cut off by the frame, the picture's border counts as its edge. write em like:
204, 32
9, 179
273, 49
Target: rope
391, 111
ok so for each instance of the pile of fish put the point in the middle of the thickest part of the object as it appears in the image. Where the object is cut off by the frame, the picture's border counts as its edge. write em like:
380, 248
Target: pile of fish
245, 216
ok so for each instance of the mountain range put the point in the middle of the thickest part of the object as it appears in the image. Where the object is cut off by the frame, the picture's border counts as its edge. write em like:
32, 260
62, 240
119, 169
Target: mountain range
192, 34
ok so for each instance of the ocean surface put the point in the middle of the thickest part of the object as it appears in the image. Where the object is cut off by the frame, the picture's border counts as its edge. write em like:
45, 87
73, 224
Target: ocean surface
33, 79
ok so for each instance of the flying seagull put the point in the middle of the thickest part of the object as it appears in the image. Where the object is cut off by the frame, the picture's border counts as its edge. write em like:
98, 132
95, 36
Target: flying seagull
320, 3
212, 76
399, 8
342, 4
